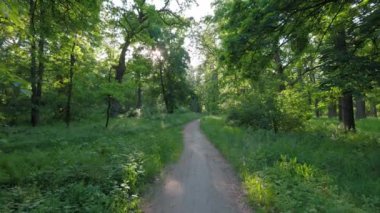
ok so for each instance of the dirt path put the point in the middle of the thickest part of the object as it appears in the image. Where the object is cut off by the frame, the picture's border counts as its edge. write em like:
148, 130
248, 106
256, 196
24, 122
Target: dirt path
201, 182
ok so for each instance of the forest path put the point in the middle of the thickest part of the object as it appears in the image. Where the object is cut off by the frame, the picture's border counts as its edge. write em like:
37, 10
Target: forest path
201, 182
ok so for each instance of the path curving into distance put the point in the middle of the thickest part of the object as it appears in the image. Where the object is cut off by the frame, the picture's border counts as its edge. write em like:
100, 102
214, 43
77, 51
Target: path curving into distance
200, 182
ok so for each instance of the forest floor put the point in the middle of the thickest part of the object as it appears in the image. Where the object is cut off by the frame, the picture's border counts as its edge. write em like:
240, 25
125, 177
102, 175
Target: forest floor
201, 181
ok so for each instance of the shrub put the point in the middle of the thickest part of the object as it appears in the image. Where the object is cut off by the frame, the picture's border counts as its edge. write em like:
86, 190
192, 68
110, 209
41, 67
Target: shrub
283, 112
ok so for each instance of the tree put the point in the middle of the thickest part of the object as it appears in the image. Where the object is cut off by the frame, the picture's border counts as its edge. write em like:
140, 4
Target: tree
79, 21
283, 42
141, 67
172, 66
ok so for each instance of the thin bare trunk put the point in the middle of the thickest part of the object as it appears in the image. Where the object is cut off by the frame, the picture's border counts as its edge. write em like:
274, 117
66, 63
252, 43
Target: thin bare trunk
70, 85
316, 108
348, 112
109, 100
33, 65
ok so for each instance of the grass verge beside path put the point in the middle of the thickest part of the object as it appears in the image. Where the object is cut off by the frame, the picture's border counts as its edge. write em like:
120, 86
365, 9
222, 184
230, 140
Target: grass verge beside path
85, 168
318, 170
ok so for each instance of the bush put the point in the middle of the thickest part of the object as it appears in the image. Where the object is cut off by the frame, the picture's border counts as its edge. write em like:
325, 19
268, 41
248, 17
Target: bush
257, 112
285, 112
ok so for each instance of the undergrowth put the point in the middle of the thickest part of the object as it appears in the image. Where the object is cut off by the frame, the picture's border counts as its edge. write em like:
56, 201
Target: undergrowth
319, 169
85, 168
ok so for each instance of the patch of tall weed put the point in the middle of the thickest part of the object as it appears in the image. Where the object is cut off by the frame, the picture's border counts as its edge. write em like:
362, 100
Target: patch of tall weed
86, 168
320, 169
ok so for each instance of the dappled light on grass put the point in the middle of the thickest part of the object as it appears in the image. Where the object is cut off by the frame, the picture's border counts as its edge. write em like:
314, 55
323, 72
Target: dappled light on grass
304, 171
86, 168
258, 190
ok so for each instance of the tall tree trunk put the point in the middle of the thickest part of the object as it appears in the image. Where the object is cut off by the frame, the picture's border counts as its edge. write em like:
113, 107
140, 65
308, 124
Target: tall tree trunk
348, 111
109, 100
70, 86
33, 65
347, 102
373, 109
120, 69
41, 59
360, 107
317, 111
332, 112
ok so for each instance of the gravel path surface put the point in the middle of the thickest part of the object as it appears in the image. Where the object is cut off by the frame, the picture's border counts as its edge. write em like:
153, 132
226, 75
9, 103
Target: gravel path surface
201, 182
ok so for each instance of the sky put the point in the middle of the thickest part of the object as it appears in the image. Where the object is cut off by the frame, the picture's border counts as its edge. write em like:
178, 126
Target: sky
202, 9
199, 10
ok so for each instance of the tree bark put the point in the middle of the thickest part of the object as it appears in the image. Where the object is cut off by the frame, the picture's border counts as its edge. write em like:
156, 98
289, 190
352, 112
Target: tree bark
41, 63
317, 111
348, 112
332, 111
109, 100
33, 65
70, 86
360, 107
347, 102
120, 69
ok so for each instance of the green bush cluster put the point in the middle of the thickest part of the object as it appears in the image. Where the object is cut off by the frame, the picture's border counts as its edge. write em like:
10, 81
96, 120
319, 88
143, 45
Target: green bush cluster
320, 169
283, 112
85, 168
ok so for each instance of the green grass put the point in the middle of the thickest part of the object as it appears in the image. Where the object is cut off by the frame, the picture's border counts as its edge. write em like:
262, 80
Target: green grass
85, 168
320, 169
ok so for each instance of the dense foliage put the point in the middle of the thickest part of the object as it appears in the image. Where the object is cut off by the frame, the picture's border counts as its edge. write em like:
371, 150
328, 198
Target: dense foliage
78, 62
323, 56
59, 59
271, 66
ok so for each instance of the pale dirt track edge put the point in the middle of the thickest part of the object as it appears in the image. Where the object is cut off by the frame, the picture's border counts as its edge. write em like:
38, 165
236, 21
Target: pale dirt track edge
200, 182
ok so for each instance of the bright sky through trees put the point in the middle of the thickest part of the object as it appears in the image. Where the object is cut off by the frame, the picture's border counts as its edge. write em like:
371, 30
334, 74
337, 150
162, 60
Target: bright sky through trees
197, 11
